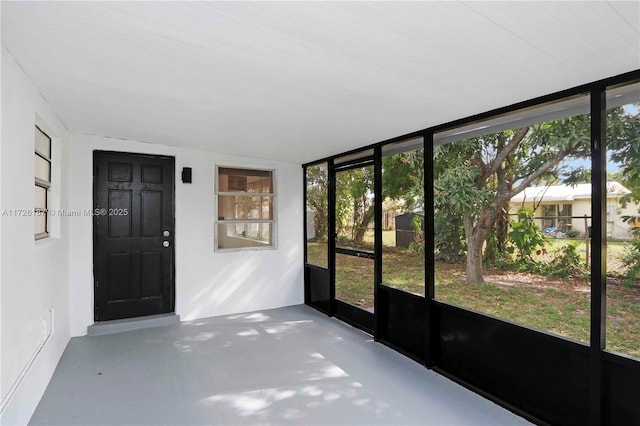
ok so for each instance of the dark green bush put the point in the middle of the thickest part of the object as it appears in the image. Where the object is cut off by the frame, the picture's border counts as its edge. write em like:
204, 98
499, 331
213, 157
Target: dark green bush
525, 235
566, 263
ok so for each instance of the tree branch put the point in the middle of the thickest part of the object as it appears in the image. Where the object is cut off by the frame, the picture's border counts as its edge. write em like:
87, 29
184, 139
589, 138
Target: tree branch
502, 155
535, 175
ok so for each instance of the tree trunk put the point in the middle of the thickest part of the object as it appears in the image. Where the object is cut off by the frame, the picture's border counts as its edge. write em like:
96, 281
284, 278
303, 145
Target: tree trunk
475, 273
320, 221
361, 228
502, 231
491, 250
320, 224
359, 237
477, 233
505, 185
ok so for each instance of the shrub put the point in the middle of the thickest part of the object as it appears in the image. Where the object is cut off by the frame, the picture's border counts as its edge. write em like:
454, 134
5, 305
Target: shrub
525, 235
449, 241
572, 233
417, 245
631, 259
566, 263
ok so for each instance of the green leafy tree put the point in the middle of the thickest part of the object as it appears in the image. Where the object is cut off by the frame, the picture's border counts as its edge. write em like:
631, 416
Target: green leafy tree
476, 178
354, 202
317, 199
403, 180
623, 143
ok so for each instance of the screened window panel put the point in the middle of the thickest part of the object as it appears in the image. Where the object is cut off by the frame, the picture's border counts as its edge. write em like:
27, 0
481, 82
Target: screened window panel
317, 178
403, 217
623, 221
524, 268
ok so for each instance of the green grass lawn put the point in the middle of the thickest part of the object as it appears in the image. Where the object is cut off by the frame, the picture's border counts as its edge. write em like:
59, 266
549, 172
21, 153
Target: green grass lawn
615, 251
560, 307
552, 307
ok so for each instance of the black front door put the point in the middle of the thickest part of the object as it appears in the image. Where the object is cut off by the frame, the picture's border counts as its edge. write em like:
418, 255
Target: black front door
133, 235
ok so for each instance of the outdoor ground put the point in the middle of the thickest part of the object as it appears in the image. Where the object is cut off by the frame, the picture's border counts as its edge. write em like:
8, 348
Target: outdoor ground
558, 306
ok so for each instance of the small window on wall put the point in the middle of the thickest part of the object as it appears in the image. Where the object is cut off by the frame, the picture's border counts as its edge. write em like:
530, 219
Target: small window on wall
42, 157
245, 203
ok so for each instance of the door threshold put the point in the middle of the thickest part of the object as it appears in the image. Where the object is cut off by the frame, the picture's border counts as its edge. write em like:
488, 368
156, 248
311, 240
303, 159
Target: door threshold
130, 324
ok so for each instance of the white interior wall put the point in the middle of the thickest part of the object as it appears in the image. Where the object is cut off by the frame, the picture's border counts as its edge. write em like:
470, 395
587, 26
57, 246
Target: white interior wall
57, 272
2, 59
207, 283
34, 274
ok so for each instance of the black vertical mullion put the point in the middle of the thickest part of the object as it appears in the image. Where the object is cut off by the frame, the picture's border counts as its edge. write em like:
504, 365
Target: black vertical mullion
304, 233
331, 238
598, 252
377, 232
429, 261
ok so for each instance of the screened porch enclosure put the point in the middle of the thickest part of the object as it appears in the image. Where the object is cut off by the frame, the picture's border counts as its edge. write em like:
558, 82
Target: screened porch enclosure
499, 266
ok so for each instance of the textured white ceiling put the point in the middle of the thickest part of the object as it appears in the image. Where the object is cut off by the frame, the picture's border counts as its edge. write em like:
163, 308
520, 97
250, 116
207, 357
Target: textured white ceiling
301, 81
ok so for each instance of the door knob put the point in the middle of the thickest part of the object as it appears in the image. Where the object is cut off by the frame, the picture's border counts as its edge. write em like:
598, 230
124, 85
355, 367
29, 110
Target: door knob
165, 244
166, 233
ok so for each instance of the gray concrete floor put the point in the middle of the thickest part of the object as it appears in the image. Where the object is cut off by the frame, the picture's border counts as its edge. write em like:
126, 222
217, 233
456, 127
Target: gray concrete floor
283, 366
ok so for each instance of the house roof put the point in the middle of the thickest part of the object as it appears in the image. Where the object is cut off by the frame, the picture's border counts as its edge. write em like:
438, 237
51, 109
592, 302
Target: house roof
567, 192
299, 81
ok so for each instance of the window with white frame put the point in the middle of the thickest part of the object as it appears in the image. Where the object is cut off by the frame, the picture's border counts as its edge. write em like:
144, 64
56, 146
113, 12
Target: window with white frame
42, 158
245, 203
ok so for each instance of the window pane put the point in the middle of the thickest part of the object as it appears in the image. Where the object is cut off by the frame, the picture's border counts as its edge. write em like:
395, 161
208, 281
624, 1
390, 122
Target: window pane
42, 168
40, 223
40, 197
403, 219
354, 281
244, 180
354, 209
242, 235
512, 217
43, 143
231, 207
317, 215
623, 224
266, 185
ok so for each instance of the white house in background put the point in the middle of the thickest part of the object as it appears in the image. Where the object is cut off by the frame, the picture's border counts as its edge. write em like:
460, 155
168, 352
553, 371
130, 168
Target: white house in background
564, 207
